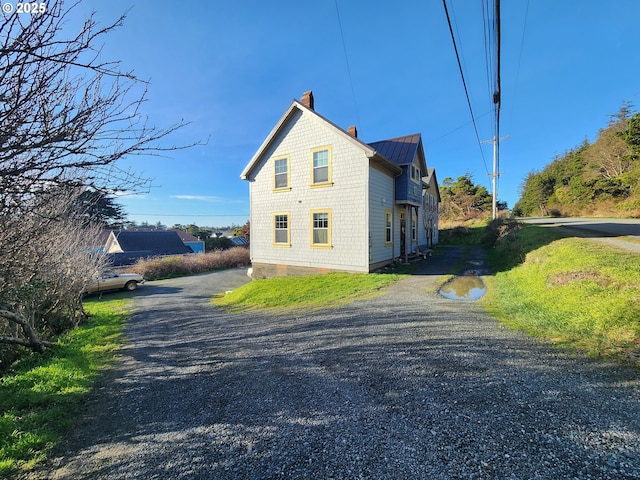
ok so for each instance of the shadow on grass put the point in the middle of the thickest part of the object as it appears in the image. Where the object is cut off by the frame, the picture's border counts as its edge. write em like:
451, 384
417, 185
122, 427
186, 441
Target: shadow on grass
506, 242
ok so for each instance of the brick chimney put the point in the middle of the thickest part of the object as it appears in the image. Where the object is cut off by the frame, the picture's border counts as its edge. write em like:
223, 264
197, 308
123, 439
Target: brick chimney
307, 99
353, 131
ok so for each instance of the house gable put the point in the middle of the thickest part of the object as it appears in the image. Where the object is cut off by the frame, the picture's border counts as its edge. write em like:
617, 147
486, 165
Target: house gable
283, 126
406, 152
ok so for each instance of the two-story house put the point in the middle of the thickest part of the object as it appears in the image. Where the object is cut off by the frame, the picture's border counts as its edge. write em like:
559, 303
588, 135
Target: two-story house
322, 200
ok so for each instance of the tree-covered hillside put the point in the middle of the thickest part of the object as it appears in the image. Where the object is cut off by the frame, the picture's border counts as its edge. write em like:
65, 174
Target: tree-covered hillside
463, 200
597, 179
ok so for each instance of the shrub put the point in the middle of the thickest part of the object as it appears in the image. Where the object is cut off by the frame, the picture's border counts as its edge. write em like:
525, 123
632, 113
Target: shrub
498, 229
165, 267
218, 243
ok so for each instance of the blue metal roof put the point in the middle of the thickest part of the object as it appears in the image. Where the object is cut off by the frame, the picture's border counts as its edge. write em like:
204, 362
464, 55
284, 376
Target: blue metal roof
157, 242
400, 150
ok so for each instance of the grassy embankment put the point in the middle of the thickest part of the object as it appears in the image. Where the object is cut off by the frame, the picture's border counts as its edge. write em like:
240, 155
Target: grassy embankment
571, 291
307, 292
41, 395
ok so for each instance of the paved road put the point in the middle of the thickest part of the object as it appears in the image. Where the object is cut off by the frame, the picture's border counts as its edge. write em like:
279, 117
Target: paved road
604, 226
408, 385
622, 234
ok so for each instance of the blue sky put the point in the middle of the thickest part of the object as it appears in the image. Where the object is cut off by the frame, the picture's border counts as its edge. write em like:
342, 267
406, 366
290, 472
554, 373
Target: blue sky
231, 68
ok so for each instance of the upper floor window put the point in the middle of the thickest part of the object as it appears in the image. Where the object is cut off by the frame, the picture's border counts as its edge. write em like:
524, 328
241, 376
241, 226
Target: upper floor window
415, 173
281, 173
321, 166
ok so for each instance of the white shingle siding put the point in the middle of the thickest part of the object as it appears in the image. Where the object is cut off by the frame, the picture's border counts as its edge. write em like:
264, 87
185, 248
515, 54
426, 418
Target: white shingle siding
381, 199
347, 199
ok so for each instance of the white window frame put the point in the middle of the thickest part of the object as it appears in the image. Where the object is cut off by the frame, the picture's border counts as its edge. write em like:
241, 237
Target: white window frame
388, 227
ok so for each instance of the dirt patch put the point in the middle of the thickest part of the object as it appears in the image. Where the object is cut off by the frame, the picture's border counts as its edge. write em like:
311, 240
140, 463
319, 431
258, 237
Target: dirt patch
566, 278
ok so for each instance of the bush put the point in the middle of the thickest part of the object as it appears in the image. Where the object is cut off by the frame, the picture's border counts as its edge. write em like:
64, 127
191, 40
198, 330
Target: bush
218, 243
178, 265
498, 229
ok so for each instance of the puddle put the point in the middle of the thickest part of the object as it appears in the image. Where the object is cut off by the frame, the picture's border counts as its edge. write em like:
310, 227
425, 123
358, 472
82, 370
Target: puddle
466, 287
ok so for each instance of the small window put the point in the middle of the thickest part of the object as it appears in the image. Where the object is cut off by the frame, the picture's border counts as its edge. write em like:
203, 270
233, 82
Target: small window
321, 228
281, 229
321, 166
414, 222
388, 227
281, 173
415, 173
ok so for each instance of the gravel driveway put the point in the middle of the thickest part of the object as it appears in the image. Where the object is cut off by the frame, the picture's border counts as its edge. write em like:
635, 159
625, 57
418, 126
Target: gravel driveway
408, 385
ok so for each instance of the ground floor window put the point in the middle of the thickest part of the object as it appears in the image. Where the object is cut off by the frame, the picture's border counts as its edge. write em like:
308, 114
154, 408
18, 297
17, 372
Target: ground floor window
281, 235
388, 227
321, 228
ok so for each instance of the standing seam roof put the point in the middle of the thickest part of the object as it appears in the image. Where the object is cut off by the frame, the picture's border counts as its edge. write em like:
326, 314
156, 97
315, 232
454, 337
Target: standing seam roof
400, 150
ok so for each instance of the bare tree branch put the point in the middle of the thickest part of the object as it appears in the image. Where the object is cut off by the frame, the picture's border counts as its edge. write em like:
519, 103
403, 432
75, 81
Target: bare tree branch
67, 117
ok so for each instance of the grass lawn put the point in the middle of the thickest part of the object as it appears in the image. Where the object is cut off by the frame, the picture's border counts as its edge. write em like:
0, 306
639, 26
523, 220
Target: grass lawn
570, 291
40, 394
305, 292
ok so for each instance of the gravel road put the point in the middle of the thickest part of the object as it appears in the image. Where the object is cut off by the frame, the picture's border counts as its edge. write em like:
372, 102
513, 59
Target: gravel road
408, 385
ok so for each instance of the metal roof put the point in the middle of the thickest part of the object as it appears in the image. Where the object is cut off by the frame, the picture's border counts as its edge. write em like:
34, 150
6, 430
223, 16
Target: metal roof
156, 242
400, 150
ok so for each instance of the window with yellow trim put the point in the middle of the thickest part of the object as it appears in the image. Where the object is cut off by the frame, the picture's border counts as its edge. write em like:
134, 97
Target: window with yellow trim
321, 166
321, 228
281, 230
281, 173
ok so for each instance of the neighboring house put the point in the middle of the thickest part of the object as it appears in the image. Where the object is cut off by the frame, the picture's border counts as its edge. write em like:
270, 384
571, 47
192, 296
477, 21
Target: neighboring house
100, 240
191, 241
239, 241
126, 246
431, 202
323, 200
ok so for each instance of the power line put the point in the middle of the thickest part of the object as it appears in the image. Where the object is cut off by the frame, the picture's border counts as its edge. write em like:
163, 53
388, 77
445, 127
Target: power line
433, 140
346, 58
464, 83
515, 88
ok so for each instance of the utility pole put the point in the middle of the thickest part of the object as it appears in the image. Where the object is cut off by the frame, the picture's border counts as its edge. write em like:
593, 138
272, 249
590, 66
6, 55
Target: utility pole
494, 176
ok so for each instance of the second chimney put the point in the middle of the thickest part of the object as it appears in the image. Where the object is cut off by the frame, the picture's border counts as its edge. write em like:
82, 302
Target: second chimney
353, 131
307, 99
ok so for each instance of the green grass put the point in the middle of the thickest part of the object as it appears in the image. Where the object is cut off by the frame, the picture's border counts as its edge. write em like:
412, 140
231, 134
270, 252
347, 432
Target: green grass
305, 292
570, 291
41, 394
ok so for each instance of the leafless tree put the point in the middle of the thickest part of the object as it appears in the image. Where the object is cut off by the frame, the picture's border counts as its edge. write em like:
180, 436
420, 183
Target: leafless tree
609, 156
66, 118
48, 260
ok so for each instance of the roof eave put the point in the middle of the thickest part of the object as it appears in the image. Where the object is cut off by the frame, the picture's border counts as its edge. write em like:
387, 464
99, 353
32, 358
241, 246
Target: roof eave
384, 162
